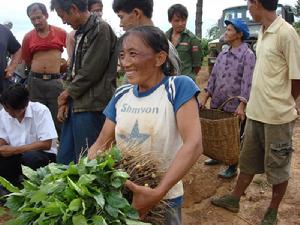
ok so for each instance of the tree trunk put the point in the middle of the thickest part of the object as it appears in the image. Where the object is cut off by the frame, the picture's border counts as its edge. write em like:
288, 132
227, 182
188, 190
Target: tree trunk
198, 22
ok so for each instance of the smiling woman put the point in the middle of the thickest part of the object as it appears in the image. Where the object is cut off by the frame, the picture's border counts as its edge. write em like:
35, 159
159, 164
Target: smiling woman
155, 113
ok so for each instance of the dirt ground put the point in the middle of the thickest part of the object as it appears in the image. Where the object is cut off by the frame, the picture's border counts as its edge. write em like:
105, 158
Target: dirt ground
202, 183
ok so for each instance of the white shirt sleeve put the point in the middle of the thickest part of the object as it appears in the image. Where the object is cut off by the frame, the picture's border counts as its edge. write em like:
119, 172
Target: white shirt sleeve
44, 125
3, 133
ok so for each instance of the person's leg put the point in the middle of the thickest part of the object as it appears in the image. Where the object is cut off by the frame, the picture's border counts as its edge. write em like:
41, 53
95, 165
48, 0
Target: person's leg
36, 159
251, 163
54, 88
66, 153
10, 168
277, 164
86, 128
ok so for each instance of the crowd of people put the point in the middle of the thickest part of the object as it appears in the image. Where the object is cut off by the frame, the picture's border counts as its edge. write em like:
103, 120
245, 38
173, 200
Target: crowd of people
76, 103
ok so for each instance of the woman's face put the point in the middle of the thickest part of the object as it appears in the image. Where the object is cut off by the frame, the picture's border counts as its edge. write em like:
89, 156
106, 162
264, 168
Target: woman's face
138, 60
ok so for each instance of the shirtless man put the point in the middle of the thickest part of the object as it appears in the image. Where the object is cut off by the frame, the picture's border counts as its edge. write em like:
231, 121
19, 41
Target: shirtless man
41, 50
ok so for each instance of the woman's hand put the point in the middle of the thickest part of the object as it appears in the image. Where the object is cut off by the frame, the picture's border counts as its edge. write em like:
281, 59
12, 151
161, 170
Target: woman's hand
144, 198
203, 100
240, 111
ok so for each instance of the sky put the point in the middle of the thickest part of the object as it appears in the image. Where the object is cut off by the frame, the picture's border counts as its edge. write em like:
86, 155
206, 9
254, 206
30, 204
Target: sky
15, 11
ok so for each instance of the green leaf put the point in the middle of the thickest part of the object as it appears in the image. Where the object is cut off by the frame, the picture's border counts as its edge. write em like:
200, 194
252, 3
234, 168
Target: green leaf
117, 183
72, 170
54, 170
86, 179
131, 213
29, 173
116, 200
120, 174
14, 202
74, 186
79, 220
38, 196
5, 183
75, 205
98, 220
114, 212
134, 222
100, 199
56, 208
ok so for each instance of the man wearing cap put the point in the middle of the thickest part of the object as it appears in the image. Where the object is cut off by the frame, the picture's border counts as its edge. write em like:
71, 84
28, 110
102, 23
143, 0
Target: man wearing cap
271, 113
231, 77
186, 43
41, 51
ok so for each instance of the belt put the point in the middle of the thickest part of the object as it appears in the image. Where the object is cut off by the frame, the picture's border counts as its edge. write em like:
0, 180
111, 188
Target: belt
45, 76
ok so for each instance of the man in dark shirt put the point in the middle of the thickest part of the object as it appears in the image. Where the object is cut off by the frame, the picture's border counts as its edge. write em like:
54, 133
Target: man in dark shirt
8, 43
90, 81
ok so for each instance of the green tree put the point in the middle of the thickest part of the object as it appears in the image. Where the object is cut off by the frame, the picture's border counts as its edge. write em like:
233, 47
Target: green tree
297, 8
214, 32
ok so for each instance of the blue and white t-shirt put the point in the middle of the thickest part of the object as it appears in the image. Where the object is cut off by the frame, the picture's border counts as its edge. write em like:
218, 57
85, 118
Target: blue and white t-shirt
148, 119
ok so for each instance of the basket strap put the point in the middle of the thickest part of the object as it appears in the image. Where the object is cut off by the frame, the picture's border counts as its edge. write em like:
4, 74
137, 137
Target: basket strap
230, 99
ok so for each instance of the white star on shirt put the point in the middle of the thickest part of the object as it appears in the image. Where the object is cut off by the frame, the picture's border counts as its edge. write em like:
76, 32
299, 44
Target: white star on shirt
135, 137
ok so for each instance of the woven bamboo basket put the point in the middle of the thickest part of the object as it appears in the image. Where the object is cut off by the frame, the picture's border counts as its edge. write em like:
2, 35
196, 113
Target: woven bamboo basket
220, 134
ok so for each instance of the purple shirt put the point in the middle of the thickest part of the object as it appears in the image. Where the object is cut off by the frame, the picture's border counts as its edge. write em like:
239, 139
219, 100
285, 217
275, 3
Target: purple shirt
231, 76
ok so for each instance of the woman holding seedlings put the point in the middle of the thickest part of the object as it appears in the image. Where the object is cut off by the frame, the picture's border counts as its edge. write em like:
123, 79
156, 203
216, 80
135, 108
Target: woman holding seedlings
156, 112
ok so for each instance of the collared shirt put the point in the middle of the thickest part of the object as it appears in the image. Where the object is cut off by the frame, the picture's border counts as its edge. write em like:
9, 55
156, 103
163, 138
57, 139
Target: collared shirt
37, 125
231, 76
189, 50
278, 54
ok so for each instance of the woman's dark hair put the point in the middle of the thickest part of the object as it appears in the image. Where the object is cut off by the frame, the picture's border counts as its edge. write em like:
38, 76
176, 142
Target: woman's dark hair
15, 96
146, 6
65, 5
37, 5
178, 10
156, 40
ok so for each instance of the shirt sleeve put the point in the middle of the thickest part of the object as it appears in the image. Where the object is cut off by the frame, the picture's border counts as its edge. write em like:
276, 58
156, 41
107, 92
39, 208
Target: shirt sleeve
196, 52
45, 125
13, 45
291, 49
3, 133
213, 76
249, 64
110, 111
184, 90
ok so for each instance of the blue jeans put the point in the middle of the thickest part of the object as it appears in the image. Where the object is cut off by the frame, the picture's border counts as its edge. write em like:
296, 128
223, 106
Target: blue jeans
79, 132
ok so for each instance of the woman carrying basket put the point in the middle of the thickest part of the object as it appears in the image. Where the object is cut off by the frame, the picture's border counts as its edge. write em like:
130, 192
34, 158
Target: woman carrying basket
231, 76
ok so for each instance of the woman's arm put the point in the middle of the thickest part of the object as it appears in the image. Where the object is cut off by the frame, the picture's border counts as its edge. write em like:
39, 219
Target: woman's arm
104, 140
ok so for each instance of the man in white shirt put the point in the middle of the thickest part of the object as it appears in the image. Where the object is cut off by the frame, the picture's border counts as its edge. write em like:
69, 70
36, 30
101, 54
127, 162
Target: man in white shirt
27, 133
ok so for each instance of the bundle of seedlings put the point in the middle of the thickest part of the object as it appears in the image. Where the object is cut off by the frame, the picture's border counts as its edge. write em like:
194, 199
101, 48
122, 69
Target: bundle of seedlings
143, 169
90, 192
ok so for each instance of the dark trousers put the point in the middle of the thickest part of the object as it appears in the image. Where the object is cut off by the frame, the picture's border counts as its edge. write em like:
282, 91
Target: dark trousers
46, 92
10, 167
79, 132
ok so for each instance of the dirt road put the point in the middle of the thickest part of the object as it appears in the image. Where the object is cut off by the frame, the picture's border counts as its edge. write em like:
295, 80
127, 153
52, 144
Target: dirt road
202, 184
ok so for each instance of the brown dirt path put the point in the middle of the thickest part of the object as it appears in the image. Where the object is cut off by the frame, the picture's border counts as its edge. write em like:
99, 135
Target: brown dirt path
202, 183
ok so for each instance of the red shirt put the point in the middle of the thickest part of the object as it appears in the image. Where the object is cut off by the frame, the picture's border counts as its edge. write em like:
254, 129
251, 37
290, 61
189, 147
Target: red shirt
33, 43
